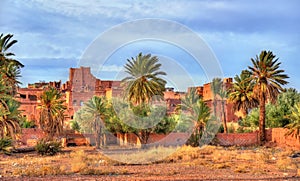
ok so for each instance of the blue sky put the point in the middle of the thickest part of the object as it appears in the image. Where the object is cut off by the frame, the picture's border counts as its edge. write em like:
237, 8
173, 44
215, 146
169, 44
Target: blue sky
53, 35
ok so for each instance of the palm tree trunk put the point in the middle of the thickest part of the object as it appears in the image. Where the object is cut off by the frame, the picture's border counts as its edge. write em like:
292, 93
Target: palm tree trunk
215, 106
224, 117
50, 133
143, 135
262, 113
97, 134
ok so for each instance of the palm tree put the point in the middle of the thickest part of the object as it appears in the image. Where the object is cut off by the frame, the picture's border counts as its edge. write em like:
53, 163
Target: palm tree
241, 93
188, 100
216, 86
143, 82
294, 126
200, 115
268, 79
96, 109
9, 72
219, 93
9, 118
52, 112
5, 44
223, 96
142, 86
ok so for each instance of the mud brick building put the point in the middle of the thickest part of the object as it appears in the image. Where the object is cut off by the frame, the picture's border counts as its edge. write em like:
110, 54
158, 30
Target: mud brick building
83, 85
80, 87
29, 99
206, 93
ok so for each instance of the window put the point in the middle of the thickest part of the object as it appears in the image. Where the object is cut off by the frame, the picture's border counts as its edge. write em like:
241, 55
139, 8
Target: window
74, 102
23, 96
81, 103
32, 97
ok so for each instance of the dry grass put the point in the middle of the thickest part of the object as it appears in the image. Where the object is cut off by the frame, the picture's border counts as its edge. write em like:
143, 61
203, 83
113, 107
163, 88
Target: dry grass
85, 161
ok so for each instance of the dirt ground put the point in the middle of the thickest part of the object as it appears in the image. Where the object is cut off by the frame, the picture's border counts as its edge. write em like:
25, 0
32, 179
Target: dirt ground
187, 163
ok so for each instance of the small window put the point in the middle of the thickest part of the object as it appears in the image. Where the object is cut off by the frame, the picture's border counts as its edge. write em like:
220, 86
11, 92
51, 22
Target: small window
32, 97
23, 96
81, 103
74, 102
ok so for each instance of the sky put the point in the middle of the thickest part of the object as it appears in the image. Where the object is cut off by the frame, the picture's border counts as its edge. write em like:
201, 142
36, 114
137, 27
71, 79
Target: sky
55, 35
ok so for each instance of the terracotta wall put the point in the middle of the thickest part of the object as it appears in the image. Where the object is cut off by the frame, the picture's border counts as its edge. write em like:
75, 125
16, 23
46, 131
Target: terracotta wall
279, 137
172, 139
276, 135
31, 134
237, 139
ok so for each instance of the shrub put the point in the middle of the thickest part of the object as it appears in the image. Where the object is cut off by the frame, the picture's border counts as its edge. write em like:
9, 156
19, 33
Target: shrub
48, 147
5, 144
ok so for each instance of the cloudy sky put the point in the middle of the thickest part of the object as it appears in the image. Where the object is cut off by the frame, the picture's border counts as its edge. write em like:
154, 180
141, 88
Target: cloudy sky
54, 35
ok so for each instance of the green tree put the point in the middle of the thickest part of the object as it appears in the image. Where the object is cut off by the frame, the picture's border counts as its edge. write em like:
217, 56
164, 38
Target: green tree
9, 73
223, 96
143, 81
294, 126
200, 116
9, 118
287, 100
113, 123
241, 93
93, 114
52, 112
188, 101
75, 126
9, 67
268, 79
142, 86
275, 117
219, 94
216, 86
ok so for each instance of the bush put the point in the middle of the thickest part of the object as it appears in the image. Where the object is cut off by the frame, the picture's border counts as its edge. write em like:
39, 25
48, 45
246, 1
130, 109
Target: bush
5, 144
48, 147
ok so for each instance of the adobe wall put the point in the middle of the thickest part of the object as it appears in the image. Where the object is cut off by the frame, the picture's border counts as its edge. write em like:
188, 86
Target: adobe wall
279, 137
29, 136
237, 139
172, 139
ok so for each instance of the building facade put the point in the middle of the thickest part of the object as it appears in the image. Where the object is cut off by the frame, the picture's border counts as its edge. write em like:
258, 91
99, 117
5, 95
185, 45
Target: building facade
83, 85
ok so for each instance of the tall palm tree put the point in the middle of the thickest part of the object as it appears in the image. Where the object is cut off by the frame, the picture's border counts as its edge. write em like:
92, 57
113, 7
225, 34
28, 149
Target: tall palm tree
219, 94
142, 86
9, 72
216, 86
5, 55
143, 81
52, 112
223, 96
268, 79
241, 93
96, 109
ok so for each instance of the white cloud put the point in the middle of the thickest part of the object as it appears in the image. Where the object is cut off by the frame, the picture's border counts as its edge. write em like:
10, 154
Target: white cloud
111, 68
